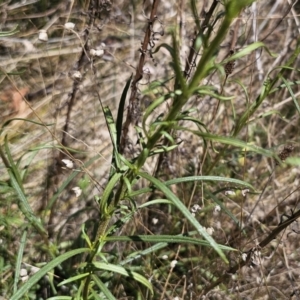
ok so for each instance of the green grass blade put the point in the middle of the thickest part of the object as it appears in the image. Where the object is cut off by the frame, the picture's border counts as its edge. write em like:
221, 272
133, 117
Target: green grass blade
61, 298
170, 239
119, 122
74, 278
19, 261
103, 288
125, 272
235, 142
43, 271
209, 178
10, 32
12, 166
182, 208
291, 93
104, 202
195, 178
25, 207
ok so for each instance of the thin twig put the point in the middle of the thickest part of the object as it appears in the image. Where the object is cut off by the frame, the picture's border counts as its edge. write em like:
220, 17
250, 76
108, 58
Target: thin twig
244, 261
138, 76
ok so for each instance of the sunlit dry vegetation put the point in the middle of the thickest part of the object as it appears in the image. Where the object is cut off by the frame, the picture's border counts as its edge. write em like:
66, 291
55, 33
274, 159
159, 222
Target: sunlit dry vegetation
149, 149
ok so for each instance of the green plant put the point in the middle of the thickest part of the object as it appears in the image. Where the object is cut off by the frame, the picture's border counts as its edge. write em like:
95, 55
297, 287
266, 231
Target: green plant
179, 161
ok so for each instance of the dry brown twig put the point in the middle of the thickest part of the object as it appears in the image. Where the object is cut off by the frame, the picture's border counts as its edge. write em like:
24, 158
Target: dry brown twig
245, 259
133, 107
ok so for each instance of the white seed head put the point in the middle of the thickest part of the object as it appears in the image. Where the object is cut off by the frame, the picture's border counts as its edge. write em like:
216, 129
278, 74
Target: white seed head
69, 164
217, 208
154, 221
77, 190
77, 75
24, 278
173, 263
229, 193
23, 272
244, 256
43, 36
96, 52
69, 25
195, 208
210, 230
33, 270
245, 192
165, 257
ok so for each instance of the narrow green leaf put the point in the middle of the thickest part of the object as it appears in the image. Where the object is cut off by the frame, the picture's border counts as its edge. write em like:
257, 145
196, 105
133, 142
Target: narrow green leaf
209, 178
183, 209
150, 109
154, 202
43, 271
107, 192
195, 178
293, 161
61, 298
21, 119
282, 86
19, 260
103, 288
74, 278
246, 51
8, 33
291, 93
171, 239
125, 272
152, 249
13, 166
234, 142
121, 111
113, 136
25, 207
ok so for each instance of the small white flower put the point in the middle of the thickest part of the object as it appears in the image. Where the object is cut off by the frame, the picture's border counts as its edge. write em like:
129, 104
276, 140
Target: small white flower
173, 263
218, 225
96, 52
23, 272
229, 193
69, 25
33, 270
24, 278
195, 208
69, 164
165, 257
210, 230
233, 276
77, 75
258, 280
77, 190
256, 253
245, 192
244, 256
154, 221
217, 208
43, 36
